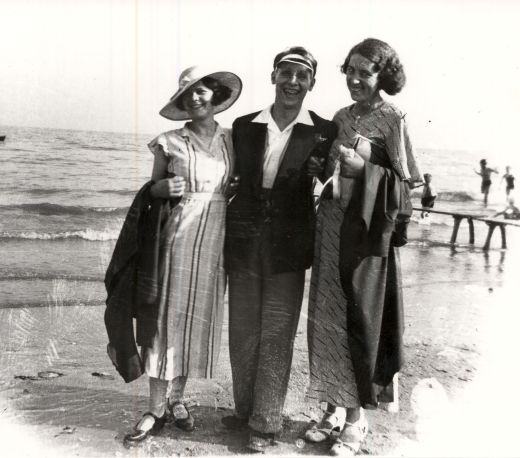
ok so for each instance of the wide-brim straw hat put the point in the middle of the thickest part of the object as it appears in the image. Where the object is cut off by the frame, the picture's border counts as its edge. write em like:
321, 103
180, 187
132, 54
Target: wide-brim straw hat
192, 76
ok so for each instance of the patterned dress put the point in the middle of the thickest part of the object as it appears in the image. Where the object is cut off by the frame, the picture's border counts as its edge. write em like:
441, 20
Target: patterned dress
332, 376
192, 279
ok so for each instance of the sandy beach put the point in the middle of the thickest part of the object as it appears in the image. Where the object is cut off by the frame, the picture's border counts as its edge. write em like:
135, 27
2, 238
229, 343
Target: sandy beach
461, 314
82, 90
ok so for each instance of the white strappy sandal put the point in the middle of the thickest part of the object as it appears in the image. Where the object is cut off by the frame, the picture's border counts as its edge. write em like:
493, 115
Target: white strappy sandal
332, 422
351, 438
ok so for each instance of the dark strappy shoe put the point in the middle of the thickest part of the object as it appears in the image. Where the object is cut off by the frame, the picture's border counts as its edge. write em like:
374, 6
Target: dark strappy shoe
259, 442
139, 435
186, 424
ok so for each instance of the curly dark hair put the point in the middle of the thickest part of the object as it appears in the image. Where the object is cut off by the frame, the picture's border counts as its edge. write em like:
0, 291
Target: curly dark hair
220, 92
391, 72
296, 50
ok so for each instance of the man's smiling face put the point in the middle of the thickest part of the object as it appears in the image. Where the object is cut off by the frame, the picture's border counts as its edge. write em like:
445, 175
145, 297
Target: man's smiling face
292, 81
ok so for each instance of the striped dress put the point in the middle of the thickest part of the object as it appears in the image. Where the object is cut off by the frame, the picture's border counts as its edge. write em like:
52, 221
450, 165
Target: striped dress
192, 279
331, 370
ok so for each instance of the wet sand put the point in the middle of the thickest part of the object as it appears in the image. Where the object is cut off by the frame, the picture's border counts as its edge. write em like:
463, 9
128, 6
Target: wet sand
455, 397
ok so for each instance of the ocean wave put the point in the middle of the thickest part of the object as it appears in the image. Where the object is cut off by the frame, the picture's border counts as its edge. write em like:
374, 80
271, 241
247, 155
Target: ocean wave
426, 243
86, 234
14, 276
450, 196
455, 196
50, 191
37, 303
86, 146
104, 148
432, 221
44, 191
121, 192
46, 208
21, 150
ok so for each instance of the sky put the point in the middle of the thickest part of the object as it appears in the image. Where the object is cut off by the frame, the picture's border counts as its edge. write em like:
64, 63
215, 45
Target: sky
110, 65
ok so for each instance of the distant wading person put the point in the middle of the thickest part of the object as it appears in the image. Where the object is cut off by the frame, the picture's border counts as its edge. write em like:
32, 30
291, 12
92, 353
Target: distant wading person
428, 195
509, 178
355, 322
175, 284
511, 211
485, 174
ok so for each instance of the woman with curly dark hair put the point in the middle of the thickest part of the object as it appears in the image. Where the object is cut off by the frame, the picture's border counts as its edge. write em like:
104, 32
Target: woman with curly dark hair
355, 301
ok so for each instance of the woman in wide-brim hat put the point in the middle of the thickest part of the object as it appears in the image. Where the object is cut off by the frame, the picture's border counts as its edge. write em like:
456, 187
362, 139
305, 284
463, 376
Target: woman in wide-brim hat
192, 166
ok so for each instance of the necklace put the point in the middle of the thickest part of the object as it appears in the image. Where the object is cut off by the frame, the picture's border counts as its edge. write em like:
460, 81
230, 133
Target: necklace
359, 110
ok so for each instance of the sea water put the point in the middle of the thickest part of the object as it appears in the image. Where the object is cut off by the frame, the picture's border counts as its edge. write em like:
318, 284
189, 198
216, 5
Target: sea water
63, 198
64, 195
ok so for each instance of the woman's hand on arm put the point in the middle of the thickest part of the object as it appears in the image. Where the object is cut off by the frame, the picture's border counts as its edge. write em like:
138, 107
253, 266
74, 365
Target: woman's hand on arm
165, 187
352, 164
315, 166
232, 186
169, 187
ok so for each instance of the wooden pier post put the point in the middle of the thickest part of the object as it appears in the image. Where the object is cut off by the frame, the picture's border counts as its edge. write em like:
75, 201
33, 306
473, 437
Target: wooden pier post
489, 234
492, 225
456, 224
491, 229
471, 231
503, 232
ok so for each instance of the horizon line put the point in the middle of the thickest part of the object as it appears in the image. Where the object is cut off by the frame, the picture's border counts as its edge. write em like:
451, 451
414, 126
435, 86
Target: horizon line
152, 134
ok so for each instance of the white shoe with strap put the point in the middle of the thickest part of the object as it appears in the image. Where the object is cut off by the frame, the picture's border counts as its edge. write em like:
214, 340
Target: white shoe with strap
351, 438
330, 423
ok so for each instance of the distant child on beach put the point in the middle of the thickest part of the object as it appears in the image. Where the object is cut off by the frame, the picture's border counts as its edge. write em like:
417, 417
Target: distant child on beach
510, 180
485, 174
510, 212
428, 195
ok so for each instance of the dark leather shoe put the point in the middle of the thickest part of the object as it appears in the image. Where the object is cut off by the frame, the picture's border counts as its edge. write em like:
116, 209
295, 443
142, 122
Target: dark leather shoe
139, 435
259, 442
186, 424
234, 422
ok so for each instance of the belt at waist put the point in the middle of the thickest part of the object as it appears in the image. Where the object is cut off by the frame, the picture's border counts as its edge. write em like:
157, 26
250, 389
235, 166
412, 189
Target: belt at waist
205, 196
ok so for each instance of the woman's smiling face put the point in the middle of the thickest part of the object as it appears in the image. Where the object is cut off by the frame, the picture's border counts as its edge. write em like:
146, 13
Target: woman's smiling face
362, 79
197, 101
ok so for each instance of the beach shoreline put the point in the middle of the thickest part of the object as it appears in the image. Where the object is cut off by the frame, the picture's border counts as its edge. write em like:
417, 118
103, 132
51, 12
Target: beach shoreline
453, 306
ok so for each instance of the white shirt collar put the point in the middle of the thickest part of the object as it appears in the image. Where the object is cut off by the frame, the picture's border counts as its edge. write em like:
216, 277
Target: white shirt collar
265, 117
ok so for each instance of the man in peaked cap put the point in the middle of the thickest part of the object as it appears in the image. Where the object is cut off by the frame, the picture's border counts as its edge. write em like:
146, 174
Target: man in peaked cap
269, 242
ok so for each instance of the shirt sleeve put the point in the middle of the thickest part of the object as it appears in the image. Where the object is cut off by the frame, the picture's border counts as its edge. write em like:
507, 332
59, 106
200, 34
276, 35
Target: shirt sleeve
159, 146
411, 158
400, 150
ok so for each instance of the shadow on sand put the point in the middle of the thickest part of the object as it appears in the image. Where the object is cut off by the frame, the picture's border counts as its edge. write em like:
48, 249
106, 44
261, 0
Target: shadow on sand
53, 404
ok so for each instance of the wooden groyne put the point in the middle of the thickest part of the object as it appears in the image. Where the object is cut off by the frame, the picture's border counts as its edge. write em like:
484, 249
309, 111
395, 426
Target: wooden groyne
492, 223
